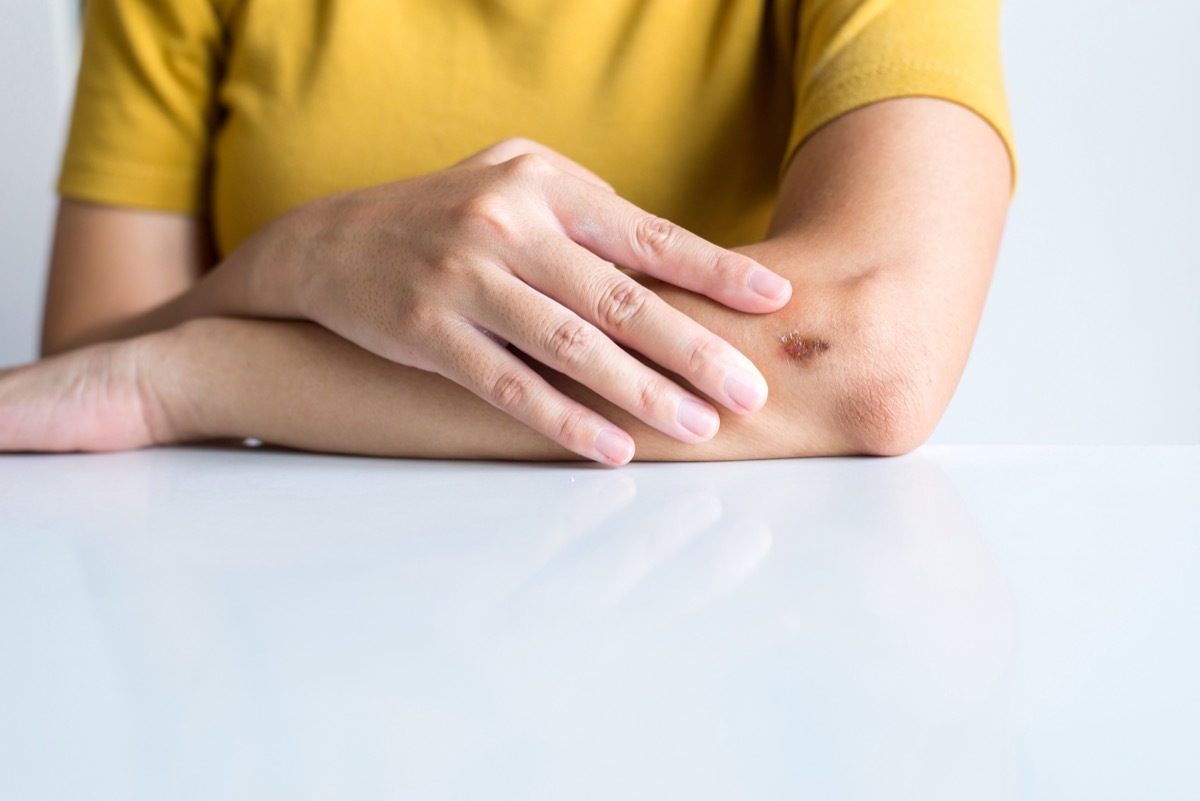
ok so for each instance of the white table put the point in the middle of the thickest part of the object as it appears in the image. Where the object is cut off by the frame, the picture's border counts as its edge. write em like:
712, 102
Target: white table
960, 623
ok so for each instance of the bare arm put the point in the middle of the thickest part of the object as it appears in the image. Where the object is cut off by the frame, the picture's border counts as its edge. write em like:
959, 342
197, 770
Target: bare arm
888, 225
110, 265
513, 244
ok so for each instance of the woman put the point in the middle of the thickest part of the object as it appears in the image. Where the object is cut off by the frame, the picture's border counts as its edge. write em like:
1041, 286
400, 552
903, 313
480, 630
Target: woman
367, 227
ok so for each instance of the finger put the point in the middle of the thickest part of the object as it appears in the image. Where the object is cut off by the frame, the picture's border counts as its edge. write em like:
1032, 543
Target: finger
479, 364
620, 232
518, 146
637, 318
557, 337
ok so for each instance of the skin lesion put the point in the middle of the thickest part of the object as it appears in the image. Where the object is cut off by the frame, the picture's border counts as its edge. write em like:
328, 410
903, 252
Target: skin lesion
801, 347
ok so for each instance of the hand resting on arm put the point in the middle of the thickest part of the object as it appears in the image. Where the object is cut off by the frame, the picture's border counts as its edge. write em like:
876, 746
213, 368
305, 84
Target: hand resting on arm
888, 226
514, 244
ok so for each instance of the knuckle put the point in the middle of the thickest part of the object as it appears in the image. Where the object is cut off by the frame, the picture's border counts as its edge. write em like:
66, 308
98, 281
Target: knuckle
447, 275
417, 320
620, 303
513, 146
653, 236
570, 429
510, 388
413, 311
728, 267
702, 352
650, 395
491, 214
571, 342
526, 166
503, 150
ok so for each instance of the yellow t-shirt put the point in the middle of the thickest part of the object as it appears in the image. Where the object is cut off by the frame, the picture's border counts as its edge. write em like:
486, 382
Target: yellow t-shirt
241, 109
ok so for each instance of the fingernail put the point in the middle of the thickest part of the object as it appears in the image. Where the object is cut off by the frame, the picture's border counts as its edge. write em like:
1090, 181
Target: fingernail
614, 446
746, 391
698, 418
768, 284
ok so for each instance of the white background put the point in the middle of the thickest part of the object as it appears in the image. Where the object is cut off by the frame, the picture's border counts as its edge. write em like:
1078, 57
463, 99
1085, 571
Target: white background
1092, 330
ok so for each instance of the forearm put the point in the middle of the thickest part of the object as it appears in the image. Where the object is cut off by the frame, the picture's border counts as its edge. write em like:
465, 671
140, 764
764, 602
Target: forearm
295, 384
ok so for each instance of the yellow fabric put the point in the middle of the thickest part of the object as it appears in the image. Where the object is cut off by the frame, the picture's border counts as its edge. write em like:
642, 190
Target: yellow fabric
242, 109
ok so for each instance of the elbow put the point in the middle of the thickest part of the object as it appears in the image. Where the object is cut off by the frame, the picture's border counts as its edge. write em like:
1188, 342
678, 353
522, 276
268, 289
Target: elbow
887, 415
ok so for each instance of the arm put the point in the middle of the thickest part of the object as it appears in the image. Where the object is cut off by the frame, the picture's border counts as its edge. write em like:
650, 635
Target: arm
111, 264
514, 244
888, 225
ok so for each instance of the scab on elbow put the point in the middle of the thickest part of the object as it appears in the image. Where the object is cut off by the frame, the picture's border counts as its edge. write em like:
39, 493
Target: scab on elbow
801, 347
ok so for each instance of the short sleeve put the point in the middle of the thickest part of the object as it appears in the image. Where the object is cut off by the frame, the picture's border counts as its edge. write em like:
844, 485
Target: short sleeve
144, 110
851, 53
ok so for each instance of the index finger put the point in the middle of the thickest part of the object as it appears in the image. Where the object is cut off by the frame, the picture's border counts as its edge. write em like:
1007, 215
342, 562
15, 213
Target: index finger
620, 232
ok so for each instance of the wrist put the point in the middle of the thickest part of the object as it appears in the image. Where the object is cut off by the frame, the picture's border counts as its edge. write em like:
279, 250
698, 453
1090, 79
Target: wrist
267, 275
170, 383
281, 258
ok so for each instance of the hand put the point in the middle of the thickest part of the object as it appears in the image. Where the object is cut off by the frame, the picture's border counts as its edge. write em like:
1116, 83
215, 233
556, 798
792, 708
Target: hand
98, 398
516, 245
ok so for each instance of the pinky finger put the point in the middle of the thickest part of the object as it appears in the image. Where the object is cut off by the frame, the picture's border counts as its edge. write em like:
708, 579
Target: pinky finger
482, 365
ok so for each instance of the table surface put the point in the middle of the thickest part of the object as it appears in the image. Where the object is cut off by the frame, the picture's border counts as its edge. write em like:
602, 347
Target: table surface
958, 623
